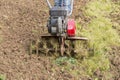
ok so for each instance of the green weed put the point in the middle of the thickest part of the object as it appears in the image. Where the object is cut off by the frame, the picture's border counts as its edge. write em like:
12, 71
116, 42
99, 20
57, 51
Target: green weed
2, 77
65, 60
99, 62
98, 8
101, 35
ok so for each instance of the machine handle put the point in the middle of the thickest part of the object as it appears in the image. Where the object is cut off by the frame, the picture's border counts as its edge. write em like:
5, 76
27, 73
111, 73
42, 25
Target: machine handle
49, 5
72, 1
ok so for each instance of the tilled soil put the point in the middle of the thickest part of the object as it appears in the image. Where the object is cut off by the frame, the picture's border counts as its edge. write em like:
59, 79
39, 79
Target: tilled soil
114, 57
18, 19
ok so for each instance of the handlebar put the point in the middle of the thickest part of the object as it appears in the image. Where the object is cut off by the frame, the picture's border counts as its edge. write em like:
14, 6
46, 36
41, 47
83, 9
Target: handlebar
72, 1
49, 5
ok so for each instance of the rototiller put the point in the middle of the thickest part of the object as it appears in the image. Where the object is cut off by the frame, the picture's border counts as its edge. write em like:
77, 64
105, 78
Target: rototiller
59, 25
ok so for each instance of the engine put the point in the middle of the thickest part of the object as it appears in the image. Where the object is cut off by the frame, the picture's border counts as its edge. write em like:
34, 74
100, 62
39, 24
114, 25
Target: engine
58, 23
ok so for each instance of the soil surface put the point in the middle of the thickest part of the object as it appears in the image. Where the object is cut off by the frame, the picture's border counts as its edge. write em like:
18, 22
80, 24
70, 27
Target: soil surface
114, 57
18, 19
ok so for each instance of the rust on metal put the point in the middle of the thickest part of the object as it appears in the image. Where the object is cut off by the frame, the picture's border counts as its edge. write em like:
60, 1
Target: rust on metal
76, 38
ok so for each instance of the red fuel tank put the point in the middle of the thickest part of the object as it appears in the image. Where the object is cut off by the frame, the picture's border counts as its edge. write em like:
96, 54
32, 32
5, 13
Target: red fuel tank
71, 28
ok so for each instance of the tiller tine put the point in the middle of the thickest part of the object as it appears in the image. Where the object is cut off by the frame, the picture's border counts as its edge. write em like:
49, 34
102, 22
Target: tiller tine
61, 40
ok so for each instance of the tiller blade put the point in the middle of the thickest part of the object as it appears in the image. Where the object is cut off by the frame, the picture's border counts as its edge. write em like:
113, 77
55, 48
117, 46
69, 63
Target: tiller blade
43, 45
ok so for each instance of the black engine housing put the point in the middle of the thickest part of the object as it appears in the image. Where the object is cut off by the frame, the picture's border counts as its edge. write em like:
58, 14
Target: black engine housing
57, 21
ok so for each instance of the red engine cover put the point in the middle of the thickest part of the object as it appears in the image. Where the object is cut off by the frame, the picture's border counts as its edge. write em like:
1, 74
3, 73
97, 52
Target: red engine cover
71, 29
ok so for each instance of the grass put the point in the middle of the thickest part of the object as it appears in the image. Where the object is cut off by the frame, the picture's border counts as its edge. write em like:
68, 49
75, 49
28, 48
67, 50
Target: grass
2, 77
100, 30
98, 8
115, 16
101, 35
92, 56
